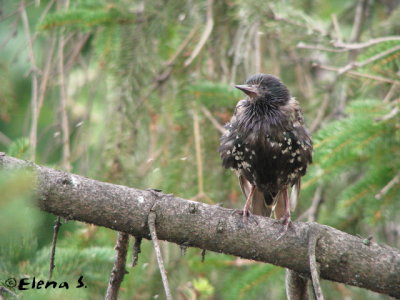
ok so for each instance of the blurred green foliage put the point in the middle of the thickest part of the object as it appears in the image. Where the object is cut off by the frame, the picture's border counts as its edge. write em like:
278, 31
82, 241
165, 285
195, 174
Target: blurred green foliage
133, 102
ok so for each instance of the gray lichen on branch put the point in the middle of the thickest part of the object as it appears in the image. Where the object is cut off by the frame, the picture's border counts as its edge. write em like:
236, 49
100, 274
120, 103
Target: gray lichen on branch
341, 257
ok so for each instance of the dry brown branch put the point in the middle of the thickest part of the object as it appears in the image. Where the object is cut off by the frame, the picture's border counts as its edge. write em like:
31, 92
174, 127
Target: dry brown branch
118, 271
206, 34
153, 233
341, 256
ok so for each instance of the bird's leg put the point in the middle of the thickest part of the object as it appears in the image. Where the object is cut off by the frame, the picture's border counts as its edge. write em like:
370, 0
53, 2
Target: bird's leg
286, 216
246, 208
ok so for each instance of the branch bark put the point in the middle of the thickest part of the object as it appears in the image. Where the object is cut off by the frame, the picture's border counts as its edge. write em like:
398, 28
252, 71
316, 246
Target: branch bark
341, 256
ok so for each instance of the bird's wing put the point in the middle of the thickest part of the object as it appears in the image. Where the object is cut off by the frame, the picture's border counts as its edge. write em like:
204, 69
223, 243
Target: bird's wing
230, 140
304, 136
258, 205
299, 127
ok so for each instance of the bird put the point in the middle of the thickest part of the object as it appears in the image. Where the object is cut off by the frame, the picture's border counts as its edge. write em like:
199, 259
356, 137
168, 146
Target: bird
268, 146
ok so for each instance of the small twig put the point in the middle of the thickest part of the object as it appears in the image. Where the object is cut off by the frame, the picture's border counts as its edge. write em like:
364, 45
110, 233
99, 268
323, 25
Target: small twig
358, 74
356, 46
311, 212
203, 255
63, 103
165, 72
320, 113
4, 290
34, 74
46, 72
359, 18
13, 32
5, 140
237, 49
336, 27
302, 45
395, 180
390, 93
205, 35
136, 251
153, 233
211, 118
277, 17
257, 49
197, 143
361, 64
313, 238
390, 115
183, 249
13, 13
56, 230
75, 51
182, 46
43, 15
118, 271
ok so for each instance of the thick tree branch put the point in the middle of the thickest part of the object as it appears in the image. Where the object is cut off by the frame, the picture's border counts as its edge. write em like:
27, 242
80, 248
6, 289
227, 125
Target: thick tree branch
341, 256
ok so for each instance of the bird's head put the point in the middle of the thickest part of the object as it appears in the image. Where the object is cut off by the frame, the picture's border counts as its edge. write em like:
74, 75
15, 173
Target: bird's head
265, 87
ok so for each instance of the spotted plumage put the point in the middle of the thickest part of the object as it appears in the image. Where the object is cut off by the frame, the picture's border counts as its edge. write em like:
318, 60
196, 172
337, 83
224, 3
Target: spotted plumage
267, 145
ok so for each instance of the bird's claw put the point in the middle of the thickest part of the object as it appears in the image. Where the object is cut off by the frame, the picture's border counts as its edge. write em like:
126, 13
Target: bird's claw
286, 222
246, 214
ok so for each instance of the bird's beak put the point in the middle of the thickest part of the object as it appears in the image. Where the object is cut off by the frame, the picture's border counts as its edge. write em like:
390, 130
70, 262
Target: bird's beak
250, 90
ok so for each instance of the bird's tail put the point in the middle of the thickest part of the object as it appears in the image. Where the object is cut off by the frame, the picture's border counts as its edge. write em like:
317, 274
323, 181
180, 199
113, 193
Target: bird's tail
279, 204
294, 195
259, 204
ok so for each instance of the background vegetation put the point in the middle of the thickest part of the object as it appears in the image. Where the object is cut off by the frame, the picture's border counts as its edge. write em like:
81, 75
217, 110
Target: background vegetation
135, 93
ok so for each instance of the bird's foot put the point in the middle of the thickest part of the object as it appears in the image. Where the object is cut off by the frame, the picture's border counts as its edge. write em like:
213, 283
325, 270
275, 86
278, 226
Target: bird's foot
246, 214
286, 222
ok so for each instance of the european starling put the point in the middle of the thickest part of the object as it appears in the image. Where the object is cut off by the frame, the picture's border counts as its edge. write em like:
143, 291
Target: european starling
267, 145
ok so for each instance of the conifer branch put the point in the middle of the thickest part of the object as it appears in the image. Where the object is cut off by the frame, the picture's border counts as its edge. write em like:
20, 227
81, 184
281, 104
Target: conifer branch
342, 257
